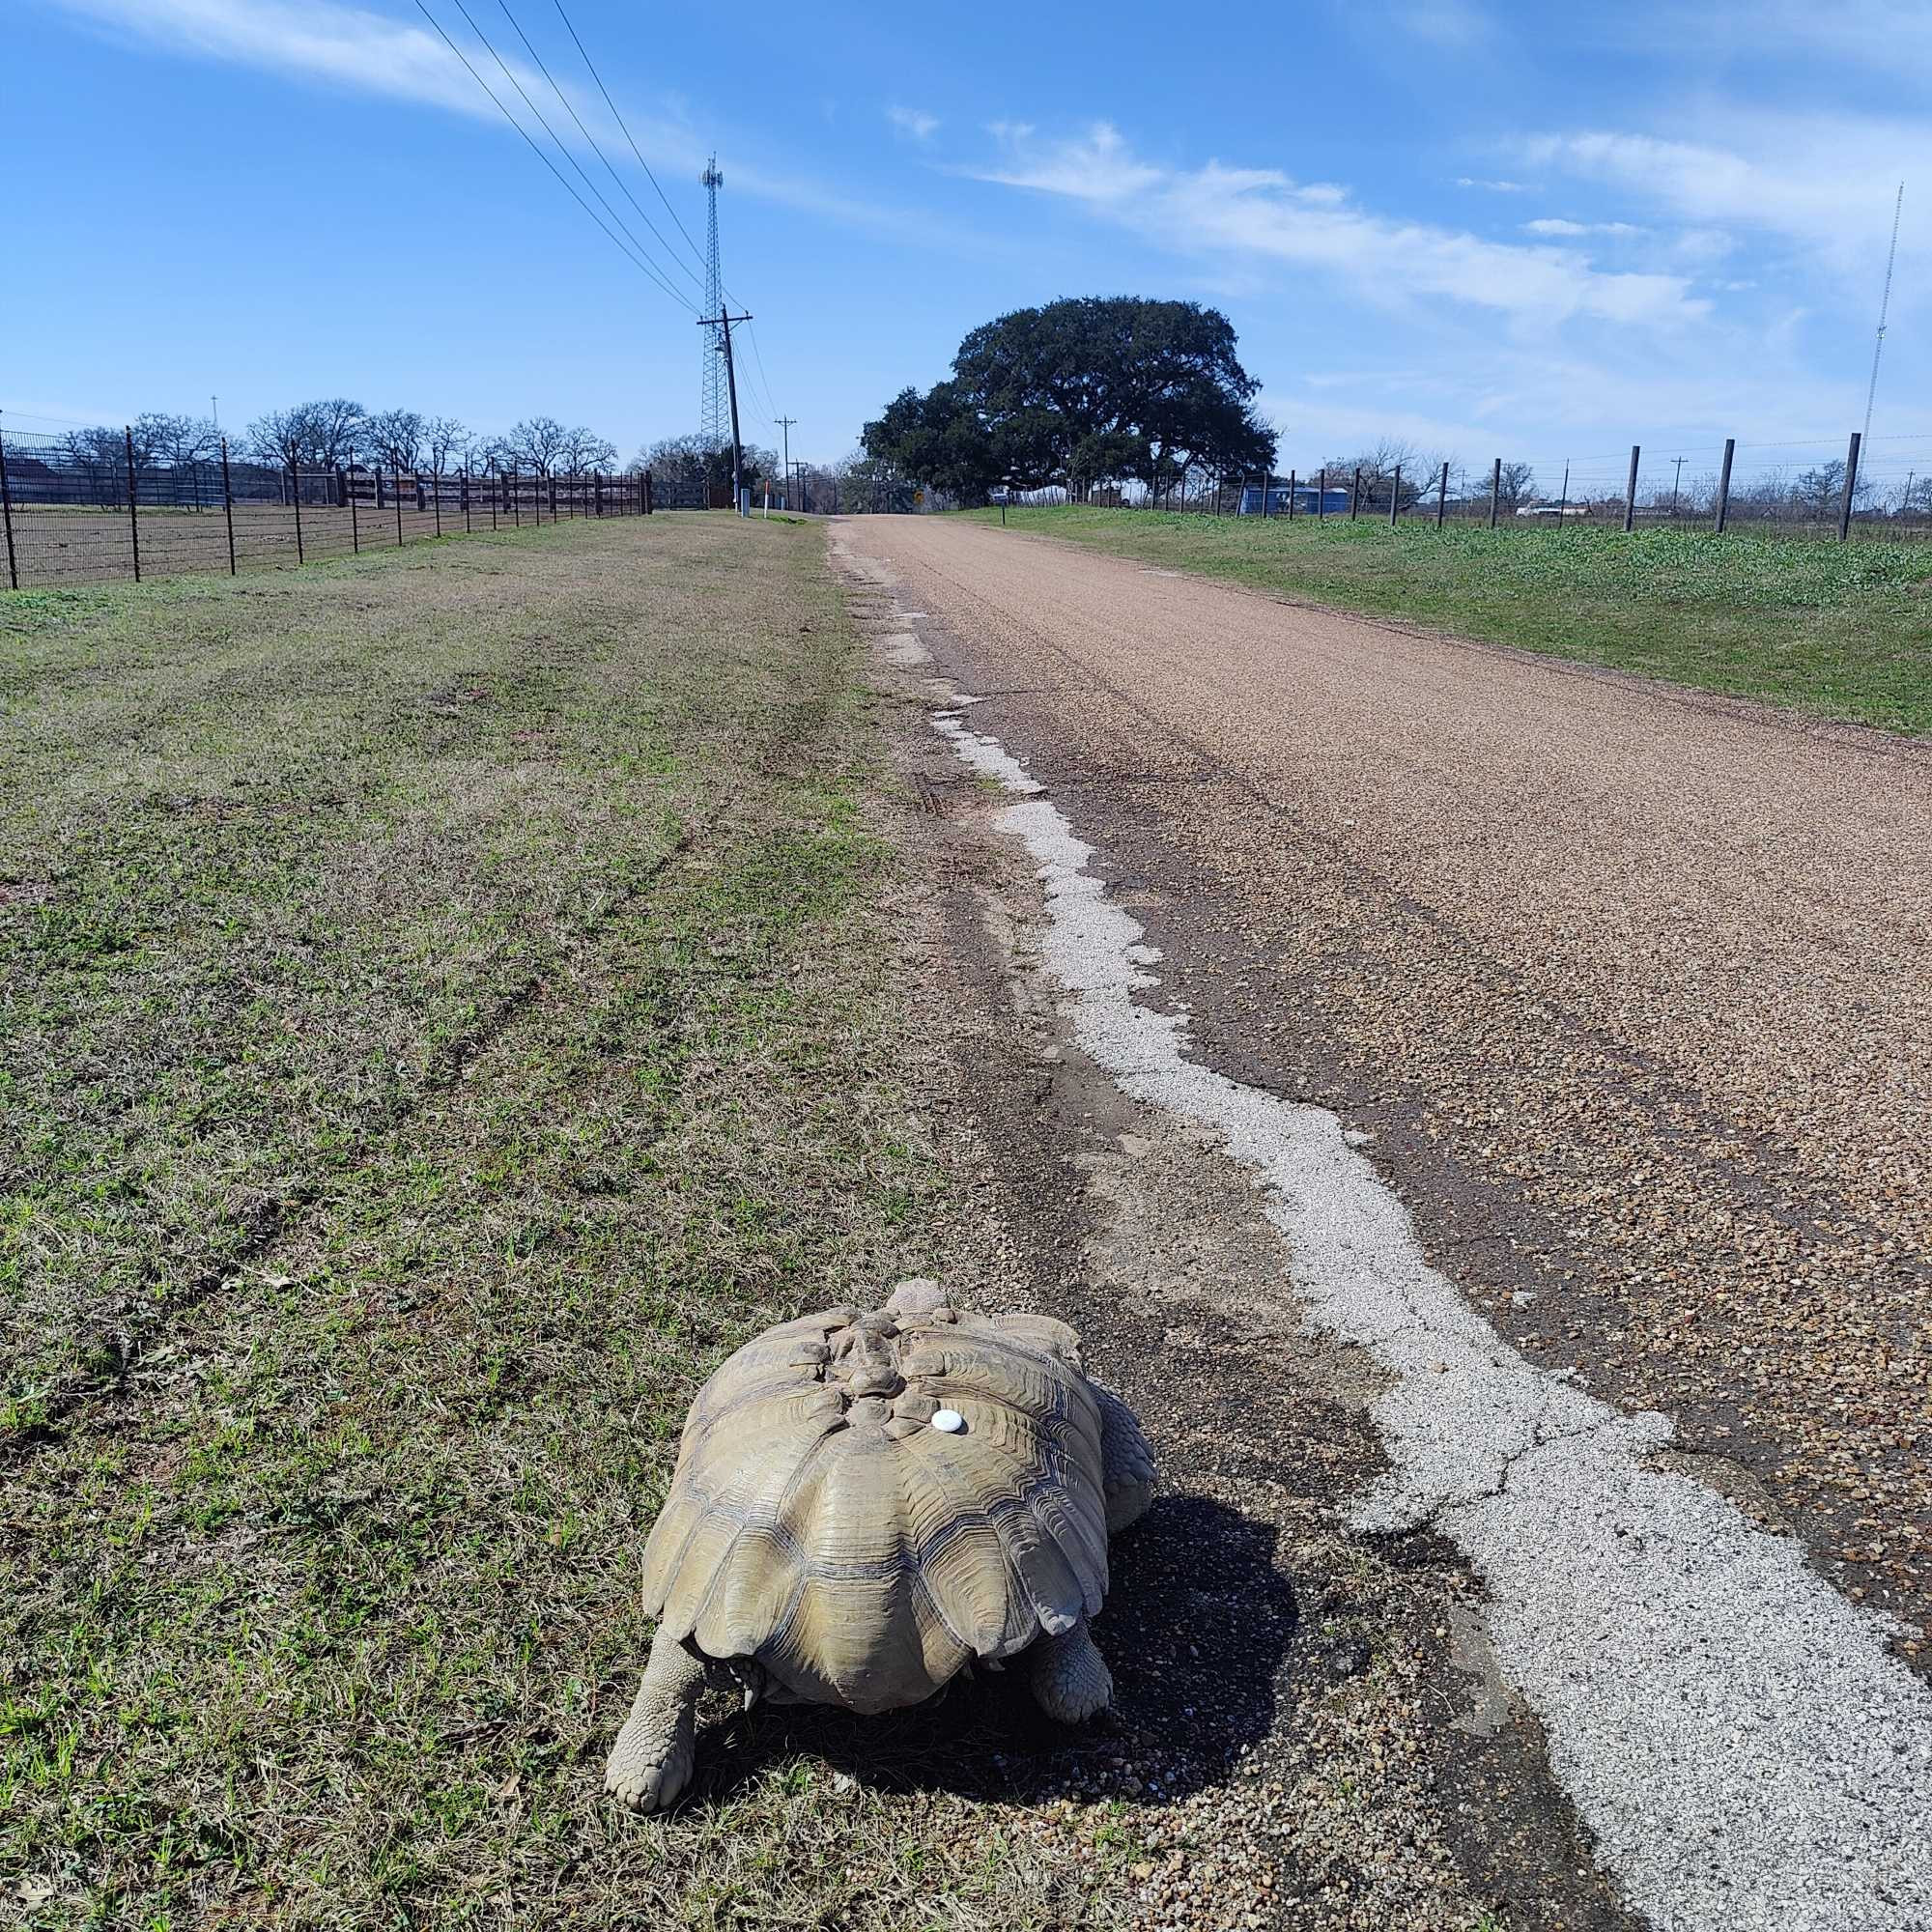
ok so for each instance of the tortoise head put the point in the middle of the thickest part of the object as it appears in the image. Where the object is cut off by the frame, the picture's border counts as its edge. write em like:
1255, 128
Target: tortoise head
916, 1298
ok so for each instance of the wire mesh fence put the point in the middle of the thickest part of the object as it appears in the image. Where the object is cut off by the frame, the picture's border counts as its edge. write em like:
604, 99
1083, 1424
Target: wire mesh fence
80, 509
1832, 489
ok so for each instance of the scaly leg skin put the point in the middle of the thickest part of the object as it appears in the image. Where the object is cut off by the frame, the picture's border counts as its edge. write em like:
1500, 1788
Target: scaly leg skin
650, 1762
1127, 1462
1071, 1679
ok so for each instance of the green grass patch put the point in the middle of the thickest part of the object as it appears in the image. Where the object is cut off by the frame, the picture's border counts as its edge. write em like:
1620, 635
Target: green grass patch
1839, 630
446, 1005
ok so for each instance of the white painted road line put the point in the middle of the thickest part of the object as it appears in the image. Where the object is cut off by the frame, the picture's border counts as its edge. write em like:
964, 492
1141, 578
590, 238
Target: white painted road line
1736, 1733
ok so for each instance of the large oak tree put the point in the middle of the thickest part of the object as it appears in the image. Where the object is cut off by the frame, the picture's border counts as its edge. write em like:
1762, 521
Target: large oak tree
1094, 388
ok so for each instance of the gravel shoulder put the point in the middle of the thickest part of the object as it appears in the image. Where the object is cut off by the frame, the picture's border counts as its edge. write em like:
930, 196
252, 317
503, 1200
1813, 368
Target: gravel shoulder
1310, 1728
1285, 801
1630, 985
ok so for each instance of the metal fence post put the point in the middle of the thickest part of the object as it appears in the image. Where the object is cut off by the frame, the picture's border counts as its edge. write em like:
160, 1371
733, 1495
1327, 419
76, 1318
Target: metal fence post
1355, 493
1291, 496
597, 494
1395, 496
465, 499
1724, 484
1495, 489
228, 505
6, 510
552, 498
1321, 496
439, 502
495, 490
648, 504
1442, 494
1630, 491
355, 525
1850, 484
398, 467
133, 516
295, 498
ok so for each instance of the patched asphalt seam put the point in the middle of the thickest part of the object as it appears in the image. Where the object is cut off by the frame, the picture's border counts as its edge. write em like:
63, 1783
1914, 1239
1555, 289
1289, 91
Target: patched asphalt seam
1737, 1734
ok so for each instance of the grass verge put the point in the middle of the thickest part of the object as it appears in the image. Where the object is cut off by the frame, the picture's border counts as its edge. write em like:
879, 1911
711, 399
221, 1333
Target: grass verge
443, 1009
1839, 630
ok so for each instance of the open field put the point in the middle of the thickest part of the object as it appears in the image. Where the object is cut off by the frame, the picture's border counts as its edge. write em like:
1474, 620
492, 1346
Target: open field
1838, 631
444, 1011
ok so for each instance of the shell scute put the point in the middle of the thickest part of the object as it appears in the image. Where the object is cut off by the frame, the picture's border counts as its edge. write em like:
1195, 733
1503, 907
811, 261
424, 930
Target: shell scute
818, 1525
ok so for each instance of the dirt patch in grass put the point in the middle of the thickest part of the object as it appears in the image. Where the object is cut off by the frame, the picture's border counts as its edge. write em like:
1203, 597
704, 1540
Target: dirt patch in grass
1839, 630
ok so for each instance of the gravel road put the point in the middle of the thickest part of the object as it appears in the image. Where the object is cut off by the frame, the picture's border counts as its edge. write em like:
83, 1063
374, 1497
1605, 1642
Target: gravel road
1624, 990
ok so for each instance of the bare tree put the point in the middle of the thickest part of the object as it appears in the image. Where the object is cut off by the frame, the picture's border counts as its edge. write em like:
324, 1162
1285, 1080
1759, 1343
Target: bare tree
448, 442
395, 439
159, 436
1516, 485
318, 433
584, 450
1379, 463
538, 442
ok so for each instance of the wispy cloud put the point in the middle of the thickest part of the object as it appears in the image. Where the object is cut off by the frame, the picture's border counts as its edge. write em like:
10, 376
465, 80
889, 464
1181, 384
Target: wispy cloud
1556, 226
1260, 215
375, 53
1447, 23
914, 120
1825, 181
1492, 187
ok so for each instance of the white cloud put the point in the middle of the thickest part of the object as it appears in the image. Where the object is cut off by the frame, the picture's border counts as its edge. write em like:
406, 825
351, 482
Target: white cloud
1491, 187
1554, 225
1260, 215
376, 53
345, 45
913, 121
1825, 181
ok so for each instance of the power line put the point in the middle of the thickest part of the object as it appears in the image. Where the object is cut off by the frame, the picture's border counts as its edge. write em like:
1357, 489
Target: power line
629, 249
619, 118
669, 253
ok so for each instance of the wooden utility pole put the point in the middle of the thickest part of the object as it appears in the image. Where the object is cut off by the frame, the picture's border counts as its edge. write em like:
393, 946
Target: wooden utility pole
784, 423
1495, 489
1630, 490
722, 322
1851, 485
1724, 484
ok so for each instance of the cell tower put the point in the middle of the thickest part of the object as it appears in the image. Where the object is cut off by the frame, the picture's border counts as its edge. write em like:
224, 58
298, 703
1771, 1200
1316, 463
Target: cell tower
715, 409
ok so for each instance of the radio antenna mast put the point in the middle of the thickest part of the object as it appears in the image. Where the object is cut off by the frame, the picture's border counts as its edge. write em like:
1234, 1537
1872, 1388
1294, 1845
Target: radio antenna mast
1884, 307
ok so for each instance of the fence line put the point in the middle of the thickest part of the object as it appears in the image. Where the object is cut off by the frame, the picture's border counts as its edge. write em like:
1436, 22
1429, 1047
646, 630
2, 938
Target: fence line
1844, 490
76, 516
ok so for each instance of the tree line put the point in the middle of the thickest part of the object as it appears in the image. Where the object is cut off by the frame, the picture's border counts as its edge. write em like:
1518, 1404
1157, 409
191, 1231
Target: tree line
333, 433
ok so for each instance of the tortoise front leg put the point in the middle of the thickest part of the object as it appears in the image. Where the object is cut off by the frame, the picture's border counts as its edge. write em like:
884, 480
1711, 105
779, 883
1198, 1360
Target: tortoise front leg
650, 1762
1071, 1679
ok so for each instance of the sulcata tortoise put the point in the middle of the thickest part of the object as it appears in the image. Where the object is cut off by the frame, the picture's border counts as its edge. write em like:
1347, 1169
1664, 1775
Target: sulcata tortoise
864, 1505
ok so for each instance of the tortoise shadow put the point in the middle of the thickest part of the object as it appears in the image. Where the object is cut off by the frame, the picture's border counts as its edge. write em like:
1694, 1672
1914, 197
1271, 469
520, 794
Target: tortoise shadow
1197, 1630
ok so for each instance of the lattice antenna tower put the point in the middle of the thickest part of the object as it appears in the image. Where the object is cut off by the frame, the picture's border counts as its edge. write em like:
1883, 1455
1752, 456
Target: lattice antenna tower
715, 409
1884, 307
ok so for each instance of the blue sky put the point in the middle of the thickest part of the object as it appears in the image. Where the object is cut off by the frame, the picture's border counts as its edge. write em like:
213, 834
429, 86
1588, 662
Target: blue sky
1533, 231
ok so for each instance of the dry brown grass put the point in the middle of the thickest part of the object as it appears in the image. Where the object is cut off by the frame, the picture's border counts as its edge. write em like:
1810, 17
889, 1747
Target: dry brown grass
443, 1011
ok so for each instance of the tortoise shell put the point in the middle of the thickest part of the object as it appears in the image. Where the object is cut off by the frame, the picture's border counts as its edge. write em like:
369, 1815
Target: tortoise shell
819, 1527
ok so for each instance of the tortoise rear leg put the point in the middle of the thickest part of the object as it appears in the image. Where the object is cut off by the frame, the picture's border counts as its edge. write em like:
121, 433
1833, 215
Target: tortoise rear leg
650, 1762
1071, 1679
1127, 1462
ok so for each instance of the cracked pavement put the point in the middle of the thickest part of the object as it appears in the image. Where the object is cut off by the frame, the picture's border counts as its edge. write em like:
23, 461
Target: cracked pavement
1618, 989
